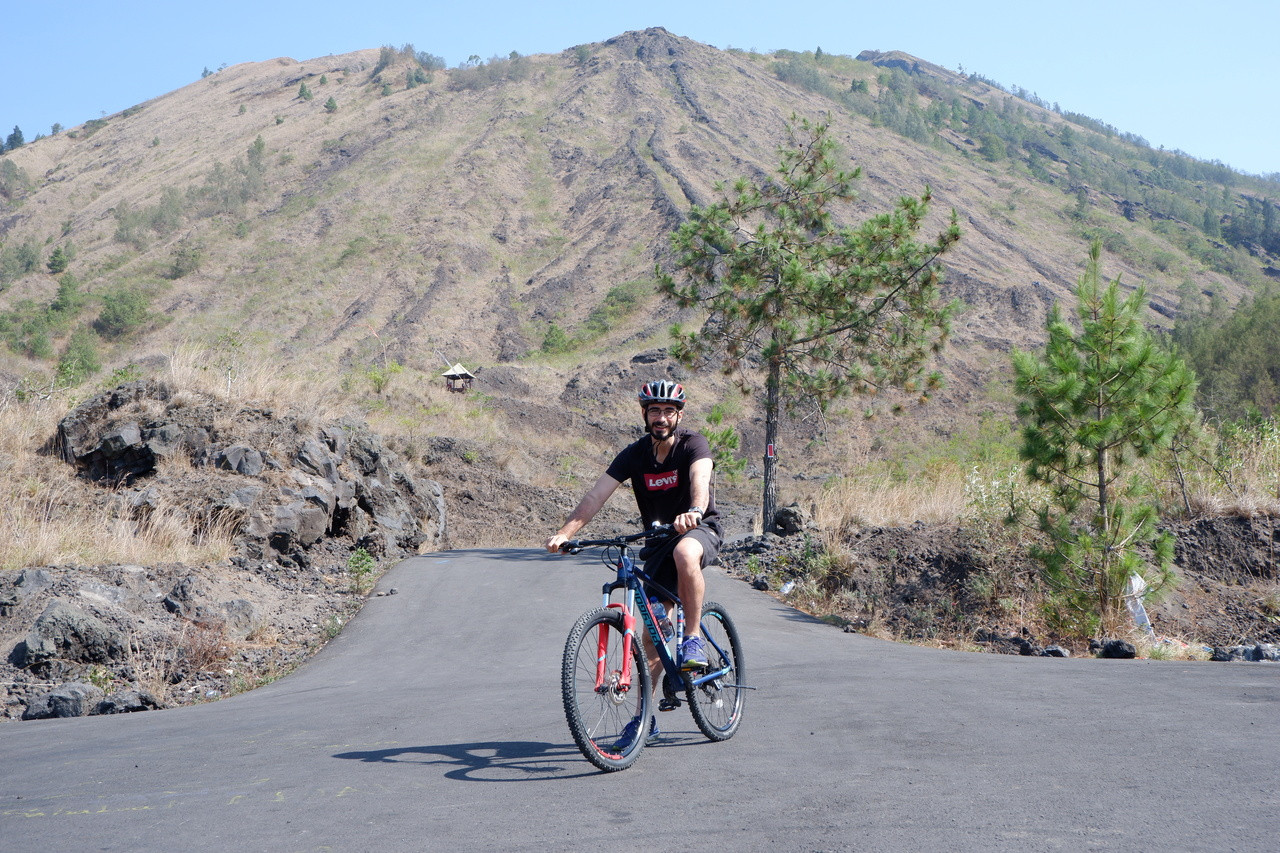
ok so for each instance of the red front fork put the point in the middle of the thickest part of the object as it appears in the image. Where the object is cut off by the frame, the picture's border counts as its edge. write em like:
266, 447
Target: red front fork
629, 630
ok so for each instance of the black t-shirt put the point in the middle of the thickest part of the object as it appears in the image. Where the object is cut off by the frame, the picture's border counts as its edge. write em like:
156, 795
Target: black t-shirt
663, 491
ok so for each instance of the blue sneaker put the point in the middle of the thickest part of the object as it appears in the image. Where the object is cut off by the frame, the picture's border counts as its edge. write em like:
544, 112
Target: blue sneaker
629, 733
692, 655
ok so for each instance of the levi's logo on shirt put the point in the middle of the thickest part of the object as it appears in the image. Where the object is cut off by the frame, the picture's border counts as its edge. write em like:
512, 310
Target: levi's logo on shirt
662, 482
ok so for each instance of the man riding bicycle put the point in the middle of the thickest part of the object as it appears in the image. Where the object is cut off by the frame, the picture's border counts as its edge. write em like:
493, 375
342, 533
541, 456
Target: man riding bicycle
670, 474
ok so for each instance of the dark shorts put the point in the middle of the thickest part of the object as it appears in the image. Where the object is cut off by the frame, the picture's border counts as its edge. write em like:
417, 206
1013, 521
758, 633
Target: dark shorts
661, 567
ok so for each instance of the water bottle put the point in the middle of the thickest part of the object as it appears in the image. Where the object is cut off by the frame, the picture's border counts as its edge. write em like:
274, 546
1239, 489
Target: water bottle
661, 618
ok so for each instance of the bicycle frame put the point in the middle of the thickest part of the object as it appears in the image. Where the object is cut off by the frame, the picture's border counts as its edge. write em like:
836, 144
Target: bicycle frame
633, 580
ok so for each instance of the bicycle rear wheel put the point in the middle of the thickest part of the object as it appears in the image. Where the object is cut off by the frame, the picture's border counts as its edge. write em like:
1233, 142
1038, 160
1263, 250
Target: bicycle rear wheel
597, 705
716, 705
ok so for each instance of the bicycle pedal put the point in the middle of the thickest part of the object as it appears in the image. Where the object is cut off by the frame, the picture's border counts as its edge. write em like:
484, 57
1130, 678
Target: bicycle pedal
668, 703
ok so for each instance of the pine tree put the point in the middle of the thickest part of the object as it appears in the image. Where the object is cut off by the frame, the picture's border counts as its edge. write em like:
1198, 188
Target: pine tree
822, 310
15, 140
58, 261
1092, 403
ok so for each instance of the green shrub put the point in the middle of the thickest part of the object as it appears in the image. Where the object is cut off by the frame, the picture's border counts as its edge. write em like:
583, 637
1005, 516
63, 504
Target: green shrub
59, 259
725, 443
386, 56
26, 329
621, 301
17, 261
121, 375
186, 259
357, 247
79, 359
798, 71
69, 300
380, 377
481, 75
124, 310
361, 565
14, 182
557, 341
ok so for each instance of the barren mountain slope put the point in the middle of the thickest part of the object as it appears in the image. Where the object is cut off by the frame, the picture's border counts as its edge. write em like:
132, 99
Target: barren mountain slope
467, 220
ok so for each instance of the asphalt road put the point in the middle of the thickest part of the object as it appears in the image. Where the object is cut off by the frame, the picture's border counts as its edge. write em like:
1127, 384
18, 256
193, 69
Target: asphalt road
433, 722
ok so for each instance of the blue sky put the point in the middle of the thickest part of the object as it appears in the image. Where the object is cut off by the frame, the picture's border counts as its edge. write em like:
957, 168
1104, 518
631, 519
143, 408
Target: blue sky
1186, 75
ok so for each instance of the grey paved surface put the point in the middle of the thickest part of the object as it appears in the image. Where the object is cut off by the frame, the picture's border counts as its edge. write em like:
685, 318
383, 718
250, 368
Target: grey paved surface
434, 723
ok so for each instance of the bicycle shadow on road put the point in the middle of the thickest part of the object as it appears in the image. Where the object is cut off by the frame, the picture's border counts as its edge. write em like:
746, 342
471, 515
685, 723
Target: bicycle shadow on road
488, 761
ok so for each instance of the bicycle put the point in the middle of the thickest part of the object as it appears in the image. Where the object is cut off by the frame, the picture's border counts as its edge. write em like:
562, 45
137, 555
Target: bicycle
605, 678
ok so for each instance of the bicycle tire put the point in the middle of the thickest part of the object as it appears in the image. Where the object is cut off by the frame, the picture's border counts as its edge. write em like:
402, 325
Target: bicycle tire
597, 717
717, 705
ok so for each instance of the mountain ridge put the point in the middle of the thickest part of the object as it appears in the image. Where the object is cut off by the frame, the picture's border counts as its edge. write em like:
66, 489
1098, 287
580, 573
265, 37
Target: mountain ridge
462, 217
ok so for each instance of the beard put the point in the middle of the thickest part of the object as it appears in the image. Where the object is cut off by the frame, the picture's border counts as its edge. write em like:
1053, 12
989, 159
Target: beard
665, 430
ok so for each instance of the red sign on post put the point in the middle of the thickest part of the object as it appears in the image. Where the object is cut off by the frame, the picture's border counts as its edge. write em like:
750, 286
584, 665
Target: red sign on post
769, 451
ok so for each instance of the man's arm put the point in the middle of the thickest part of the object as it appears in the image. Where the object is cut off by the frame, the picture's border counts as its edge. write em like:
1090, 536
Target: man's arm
586, 510
699, 494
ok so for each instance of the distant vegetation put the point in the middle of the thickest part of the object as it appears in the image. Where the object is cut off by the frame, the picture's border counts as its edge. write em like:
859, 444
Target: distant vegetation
33, 329
1236, 357
389, 56
1217, 215
225, 191
14, 182
475, 74
619, 303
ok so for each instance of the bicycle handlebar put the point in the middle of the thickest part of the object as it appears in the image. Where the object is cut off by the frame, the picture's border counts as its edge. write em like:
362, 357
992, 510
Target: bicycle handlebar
575, 546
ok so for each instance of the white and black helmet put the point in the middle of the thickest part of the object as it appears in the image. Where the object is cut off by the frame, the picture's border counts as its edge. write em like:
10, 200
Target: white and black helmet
662, 391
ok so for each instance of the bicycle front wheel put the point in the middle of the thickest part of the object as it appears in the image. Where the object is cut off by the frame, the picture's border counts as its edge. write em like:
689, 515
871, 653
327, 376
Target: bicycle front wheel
607, 715
716, 704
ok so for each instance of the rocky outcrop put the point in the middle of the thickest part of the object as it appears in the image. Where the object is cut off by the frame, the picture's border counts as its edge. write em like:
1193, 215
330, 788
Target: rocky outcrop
910, 64
298, 498
295, 492
68, 700
64, 635
1257, 652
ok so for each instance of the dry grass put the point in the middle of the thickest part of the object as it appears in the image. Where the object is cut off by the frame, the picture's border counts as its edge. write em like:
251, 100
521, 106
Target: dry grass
1170, 648
254, 379
53, 518
61, 524
881, 500
152, 663
1239, 474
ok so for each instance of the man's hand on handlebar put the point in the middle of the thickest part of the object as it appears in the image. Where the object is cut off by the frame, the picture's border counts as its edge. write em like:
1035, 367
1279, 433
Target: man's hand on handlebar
555, 543
686, 521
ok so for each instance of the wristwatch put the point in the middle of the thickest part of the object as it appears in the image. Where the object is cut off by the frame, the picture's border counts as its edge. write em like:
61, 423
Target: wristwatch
696, 509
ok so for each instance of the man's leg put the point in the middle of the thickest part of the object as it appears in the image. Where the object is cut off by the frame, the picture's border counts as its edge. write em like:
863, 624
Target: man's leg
689, 583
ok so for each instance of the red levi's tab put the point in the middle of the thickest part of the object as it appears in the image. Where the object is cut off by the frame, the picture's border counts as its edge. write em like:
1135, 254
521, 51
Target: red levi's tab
662, 482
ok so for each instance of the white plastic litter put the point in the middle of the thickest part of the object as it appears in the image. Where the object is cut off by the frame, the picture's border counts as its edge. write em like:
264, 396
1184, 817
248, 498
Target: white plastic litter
1134, 591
